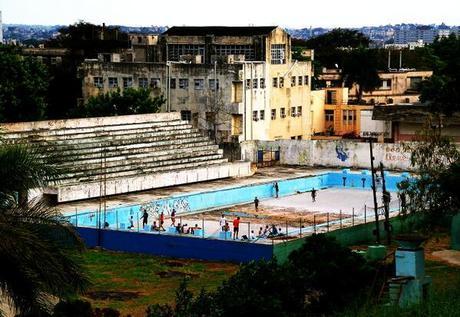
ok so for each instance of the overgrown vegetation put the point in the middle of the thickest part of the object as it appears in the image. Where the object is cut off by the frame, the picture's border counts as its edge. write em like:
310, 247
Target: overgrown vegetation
131, 101
320, 278
23, 87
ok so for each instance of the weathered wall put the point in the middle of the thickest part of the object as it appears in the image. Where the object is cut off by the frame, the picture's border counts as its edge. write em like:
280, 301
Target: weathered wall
176, 246
88, 122
336, 153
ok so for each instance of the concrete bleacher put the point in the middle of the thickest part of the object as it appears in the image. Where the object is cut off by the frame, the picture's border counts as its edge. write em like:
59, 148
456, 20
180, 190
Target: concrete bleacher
114, 155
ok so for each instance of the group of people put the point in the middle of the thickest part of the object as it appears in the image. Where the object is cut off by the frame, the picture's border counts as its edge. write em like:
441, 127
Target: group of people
224, 226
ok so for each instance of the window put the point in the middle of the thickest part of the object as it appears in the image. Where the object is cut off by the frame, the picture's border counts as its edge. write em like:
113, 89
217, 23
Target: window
186, 115
293, 81
299, 137
331, 97
292, 137
275, 82
246, 50
348, 116
254, 116
172, 83
127, 82
98, 82
262, 115
305, 80
255, 83
155, 83
248, 84
292, 111
283, 113
281, 82
329, 115
183, 83
199, 84
385, 84
175, 51
262, 83
414, 82
113, 82
143, 82
273, 114
278, 54
299, 111
212, 84
299, 80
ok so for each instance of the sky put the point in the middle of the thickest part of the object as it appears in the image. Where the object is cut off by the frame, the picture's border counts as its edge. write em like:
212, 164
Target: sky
292, 13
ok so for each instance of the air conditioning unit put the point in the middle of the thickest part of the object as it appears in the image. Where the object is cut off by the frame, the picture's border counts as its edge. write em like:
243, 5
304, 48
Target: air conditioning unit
239, 58
198, 59
240, 75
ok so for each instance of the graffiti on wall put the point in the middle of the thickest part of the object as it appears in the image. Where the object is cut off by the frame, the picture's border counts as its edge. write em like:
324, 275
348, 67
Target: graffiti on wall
342, 151
155, 208
395, 153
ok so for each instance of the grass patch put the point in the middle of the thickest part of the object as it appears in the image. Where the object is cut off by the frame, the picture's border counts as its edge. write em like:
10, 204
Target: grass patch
116, 277
443, 300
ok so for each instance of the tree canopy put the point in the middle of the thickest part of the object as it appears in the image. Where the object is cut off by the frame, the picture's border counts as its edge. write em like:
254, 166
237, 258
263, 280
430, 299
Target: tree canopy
23, 87
39, 247
130, 101
360, 68
442, 91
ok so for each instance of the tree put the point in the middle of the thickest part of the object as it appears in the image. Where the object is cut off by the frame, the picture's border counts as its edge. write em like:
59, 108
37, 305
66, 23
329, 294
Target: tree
360, 68
320, 278
39, 248
23, 87
216, 114
131, 101
441, 92
330, 48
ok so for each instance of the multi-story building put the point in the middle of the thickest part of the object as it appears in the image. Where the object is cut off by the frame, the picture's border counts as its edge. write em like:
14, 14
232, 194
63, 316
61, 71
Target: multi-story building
399, 86
235, 83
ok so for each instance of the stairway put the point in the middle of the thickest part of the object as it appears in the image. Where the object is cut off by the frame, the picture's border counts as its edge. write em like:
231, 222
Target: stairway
125, 153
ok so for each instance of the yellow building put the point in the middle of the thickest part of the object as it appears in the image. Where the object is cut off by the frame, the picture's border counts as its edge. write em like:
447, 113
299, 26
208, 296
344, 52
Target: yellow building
238, 83
333, 116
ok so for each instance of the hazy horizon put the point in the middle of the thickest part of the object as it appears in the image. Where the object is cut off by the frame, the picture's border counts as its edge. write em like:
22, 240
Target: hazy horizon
336, 13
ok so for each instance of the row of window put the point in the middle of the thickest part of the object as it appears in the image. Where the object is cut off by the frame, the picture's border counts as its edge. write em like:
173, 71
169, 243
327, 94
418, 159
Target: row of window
348, 116
260, 115
143, 82
278, 82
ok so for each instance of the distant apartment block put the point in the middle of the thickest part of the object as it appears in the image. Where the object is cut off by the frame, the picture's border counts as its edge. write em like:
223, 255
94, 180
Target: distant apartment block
425, 34
238, 83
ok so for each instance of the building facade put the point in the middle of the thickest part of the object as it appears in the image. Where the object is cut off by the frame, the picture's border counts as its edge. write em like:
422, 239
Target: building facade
235, 83
399, 86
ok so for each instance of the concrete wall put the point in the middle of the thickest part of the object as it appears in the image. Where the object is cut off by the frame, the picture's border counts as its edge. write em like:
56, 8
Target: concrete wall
337, 153
150, 181
87, 122
176, 246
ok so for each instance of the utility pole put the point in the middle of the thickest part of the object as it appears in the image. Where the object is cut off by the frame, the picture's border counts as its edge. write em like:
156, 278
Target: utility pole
386, 205
376, 212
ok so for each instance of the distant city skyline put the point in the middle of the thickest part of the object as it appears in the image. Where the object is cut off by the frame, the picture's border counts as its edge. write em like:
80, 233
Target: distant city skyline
334, 13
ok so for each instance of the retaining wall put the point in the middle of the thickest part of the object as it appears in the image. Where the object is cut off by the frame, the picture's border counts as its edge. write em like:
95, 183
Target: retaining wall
331, 153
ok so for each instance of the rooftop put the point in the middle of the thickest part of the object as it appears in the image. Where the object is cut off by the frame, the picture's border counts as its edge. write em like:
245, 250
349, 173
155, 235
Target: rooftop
219, 30
414, 113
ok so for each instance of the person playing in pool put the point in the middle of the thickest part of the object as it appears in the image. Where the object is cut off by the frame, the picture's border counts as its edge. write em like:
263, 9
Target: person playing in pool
145, 217
256, 203
275, 186
313, 194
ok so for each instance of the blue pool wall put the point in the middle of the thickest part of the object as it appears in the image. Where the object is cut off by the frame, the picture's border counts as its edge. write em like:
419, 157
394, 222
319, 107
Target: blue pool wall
245, 194
176, 246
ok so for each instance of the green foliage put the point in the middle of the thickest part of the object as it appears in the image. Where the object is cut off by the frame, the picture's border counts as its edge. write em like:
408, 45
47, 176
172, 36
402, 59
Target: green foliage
23, 87
436, 160
442, 91
330, 48
360, 68
75, 308
39, 248
318, 279
131, 101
